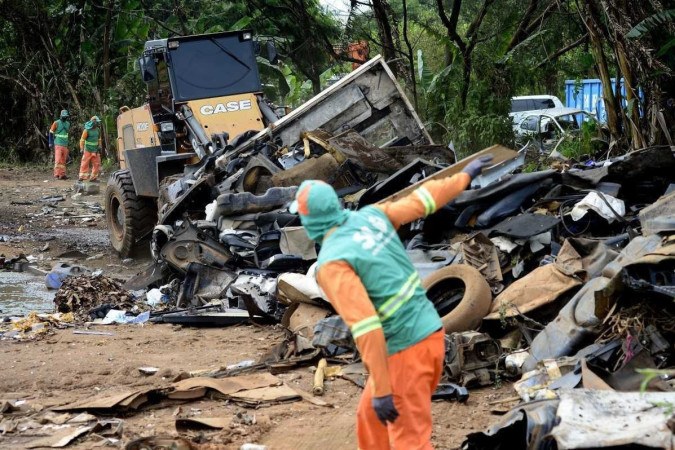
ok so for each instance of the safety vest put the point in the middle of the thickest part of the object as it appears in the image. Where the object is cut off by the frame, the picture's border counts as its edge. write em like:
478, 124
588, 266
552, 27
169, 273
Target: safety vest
368, 242
91, 143
61, 133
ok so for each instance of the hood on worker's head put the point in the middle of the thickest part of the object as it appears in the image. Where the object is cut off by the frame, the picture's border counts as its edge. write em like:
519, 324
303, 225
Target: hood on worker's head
319, 208
92, 122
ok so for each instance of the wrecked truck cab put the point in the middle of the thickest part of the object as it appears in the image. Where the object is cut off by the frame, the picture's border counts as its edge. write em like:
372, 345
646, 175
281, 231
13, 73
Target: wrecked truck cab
368, 101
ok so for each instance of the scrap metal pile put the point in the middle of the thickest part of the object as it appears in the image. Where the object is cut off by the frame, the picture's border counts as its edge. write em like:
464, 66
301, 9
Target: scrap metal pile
563, 278
582, 282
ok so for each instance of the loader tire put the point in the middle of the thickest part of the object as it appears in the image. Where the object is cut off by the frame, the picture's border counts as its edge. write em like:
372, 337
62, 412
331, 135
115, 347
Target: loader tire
128, 216
461, 296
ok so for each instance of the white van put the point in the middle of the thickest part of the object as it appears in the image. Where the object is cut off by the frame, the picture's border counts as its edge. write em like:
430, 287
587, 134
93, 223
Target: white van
526, 104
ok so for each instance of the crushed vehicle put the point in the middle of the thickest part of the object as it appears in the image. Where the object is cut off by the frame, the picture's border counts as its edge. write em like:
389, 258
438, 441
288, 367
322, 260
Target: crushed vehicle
548, 128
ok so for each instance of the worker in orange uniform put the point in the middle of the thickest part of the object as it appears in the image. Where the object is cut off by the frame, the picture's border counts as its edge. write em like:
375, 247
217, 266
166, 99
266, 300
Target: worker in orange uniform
366, 274
58, 143
90, 146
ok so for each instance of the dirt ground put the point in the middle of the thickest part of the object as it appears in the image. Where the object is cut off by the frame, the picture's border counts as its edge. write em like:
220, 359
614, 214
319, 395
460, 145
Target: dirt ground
65, 367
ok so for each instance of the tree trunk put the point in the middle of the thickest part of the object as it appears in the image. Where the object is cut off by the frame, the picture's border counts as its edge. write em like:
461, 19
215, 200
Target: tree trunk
448, 55
316, 84
521, 30
466, 79
179, 11
411, 57
592, 23
631, 97
106, 45
639, 65
384, 32
398, 48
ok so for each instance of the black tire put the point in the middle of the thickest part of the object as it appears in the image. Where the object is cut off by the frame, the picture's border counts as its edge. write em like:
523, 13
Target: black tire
461, 296
128, 216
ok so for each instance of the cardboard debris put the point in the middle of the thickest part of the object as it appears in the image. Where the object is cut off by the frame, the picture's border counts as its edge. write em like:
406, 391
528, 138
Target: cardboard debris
160, 442
62, 437
59, 419
188, 389
312, 399
543, 285
479, 252
104, 402
6, 407
281, 393
189, 394
228, 386
82, 418
301, 318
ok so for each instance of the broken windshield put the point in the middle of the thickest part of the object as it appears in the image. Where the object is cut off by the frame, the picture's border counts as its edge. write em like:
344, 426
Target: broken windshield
212, 66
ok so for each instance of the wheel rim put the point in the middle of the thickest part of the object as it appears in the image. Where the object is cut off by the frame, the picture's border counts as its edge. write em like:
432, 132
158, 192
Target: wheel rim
117, 218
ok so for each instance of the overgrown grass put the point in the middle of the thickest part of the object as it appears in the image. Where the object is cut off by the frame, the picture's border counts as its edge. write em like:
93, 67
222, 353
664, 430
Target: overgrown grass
579, 146
11, 158
474, 131
109, 165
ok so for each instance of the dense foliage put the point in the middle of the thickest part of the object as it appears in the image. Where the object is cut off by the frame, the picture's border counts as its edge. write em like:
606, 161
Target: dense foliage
459, 61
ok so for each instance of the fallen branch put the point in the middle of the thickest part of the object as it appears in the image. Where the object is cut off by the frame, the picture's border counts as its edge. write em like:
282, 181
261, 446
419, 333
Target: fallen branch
564, 50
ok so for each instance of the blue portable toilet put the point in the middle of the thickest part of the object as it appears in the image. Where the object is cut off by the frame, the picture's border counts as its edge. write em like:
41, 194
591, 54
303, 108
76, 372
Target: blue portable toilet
587, 95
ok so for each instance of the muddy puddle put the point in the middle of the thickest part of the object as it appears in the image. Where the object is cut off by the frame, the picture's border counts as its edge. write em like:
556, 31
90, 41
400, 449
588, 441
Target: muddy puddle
21, 293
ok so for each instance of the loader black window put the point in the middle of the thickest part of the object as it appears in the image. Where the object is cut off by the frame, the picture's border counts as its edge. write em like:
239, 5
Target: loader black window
207, 67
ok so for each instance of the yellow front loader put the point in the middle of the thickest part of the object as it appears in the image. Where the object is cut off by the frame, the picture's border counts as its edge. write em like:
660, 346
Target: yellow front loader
203, 92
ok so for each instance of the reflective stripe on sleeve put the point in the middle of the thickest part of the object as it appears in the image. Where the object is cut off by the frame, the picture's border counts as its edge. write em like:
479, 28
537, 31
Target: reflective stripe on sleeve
427, 200
365, 326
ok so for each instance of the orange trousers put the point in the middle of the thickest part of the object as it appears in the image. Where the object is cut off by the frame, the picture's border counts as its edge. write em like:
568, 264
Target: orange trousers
414, 374
93, 159
60, 158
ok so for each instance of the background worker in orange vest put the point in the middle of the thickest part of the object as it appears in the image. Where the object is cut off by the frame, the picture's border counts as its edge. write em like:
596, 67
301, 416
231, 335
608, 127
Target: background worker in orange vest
58, 143
90, 146
366, 274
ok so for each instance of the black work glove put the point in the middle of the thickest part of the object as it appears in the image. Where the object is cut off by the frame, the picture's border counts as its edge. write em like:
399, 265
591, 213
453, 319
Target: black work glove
385, 409
475, 167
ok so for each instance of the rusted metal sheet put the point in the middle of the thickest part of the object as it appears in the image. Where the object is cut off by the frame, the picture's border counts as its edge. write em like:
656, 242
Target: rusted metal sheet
499, 153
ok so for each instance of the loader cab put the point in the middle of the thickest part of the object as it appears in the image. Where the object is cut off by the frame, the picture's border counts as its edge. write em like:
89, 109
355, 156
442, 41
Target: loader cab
201, 88
213, 78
